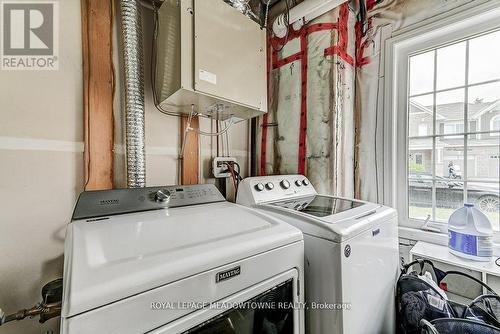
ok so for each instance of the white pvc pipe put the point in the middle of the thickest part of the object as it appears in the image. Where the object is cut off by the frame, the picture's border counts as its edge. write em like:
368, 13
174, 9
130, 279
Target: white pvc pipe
303, 12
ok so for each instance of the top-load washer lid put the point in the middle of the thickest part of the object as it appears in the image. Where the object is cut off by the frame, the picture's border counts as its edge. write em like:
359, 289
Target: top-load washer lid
110, 258
319, 206
296, 201
329, 217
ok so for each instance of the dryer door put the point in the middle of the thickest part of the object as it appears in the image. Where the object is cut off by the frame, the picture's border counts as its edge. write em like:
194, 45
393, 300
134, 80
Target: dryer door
269, 307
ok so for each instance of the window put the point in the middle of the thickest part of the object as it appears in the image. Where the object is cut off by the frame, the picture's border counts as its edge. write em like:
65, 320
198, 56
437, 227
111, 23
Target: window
495, 123
450, 128
418, 159
457, 90
445, 76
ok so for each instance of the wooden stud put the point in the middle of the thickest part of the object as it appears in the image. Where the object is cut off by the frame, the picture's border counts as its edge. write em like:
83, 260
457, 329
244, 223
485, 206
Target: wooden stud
98, 91
191, 161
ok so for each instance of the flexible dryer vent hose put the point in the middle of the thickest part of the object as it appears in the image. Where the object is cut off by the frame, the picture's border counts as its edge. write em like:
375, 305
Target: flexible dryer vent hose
132, 46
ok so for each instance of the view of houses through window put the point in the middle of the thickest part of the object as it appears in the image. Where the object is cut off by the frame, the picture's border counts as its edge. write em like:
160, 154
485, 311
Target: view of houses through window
454, 129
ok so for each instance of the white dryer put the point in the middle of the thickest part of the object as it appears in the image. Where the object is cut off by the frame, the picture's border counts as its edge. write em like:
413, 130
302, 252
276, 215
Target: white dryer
351, 253
179, 260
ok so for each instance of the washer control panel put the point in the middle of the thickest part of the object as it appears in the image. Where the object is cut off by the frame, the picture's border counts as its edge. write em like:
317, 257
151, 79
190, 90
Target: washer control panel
262, 189
92, 204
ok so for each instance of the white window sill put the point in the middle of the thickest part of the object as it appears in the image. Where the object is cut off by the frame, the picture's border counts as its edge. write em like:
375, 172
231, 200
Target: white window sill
440, 253
421, 235
440, 239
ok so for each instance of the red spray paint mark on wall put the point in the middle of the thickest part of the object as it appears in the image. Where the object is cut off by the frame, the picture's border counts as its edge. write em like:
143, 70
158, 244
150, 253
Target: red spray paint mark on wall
370, 4
342, 29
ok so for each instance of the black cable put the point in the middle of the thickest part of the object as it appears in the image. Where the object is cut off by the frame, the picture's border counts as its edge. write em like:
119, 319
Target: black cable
239, 170
362, 17
233, 175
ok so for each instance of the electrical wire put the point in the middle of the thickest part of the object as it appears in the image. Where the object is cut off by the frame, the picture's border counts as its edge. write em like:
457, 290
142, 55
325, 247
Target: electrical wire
217, 138
267, 13
219, 133
188, 128
227, 142
222, 141
287, 24
238, 174
239, 171
233, 176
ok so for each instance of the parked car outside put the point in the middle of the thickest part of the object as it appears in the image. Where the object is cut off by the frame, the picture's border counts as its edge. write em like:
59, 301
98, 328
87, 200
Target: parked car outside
450, 193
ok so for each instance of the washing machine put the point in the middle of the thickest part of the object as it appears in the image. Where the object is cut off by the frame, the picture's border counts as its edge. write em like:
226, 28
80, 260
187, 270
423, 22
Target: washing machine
351, 253
179, 259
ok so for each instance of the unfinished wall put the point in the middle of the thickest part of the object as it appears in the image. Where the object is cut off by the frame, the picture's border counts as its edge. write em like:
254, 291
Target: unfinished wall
342, 89
41, 163
310, 126
41, 171
163, 136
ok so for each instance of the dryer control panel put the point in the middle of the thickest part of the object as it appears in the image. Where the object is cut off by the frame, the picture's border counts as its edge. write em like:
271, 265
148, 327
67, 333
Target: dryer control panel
262, 189
93, 204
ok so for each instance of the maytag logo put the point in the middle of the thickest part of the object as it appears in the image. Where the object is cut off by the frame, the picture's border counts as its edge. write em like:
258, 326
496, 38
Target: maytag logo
109, 202
30, 35
227, 274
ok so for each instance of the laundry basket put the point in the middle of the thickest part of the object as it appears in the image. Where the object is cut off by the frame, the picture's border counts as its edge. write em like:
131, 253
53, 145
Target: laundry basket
485, 308
457, 326
419, 297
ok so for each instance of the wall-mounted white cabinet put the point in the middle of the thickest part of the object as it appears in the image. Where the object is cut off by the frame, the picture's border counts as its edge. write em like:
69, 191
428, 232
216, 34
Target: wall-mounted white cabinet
211, 56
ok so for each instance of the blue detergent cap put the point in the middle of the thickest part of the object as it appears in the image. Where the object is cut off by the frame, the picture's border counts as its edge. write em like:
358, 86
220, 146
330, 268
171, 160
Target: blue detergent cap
469, 205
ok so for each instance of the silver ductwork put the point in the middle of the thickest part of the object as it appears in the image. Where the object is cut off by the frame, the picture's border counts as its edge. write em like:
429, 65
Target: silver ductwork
132, 40
244, 6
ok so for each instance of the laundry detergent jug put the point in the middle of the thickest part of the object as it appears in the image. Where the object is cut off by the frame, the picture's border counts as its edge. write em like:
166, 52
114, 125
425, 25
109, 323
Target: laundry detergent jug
470, 234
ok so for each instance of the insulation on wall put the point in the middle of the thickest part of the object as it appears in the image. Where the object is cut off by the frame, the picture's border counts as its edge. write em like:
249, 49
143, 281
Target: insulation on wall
326, 86
311, 109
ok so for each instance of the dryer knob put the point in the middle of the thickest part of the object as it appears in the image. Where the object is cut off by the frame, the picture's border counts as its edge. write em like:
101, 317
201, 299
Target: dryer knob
269, 186
259, 187
298, 183
285, 184
305, 182
162, 196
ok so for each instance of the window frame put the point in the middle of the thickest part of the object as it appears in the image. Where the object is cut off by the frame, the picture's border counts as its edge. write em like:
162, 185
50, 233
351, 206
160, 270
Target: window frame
444, 30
